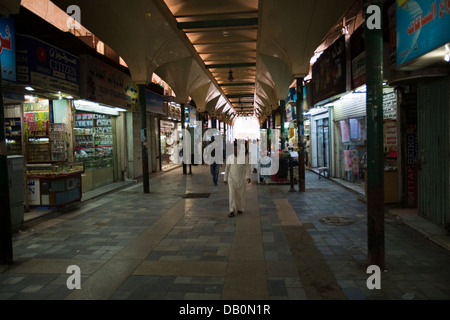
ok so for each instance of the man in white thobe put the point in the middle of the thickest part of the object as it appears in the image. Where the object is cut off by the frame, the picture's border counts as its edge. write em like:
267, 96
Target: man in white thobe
237, 172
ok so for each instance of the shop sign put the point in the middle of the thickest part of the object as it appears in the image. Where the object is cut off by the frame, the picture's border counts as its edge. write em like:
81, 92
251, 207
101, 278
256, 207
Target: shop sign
390, 106
154, 102
329, 72
34, 194
290, 113
390, 135
107, 85
422, 26
167, 124
8, 49
44, 66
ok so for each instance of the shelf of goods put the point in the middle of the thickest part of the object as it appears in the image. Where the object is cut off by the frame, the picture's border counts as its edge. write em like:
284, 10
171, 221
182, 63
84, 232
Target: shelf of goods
93, 140
48, 146
13, 136
54, 185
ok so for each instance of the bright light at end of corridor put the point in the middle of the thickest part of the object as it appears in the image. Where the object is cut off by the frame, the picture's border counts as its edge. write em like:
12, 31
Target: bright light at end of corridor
246, 128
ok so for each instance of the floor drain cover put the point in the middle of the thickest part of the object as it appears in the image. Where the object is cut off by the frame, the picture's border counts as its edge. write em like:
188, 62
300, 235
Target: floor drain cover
336, 221
196, 195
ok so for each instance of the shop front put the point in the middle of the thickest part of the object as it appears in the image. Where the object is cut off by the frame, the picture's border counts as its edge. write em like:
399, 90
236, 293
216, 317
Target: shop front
319, 138
168, 129
420, 70
47, 80
95, 142
100, 130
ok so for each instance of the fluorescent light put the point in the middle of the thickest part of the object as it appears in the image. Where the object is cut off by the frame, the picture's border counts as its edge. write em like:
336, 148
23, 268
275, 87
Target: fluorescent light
69, 97
29, 88
447, 57
89, 106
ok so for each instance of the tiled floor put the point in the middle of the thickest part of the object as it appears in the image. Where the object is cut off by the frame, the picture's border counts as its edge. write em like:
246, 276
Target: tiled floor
164, 246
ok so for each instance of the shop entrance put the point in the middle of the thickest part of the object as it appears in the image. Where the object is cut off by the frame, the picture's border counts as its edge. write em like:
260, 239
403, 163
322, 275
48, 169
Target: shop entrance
323, 146
433, 157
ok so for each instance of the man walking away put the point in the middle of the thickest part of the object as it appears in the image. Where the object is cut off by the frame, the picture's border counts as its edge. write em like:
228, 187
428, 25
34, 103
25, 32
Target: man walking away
237, 172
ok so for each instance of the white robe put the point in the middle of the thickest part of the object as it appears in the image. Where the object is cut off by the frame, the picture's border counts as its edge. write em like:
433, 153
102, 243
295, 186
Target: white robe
236, 175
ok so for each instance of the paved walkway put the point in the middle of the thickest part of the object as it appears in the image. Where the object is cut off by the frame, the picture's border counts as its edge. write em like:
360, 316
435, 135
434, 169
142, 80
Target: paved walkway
177, 243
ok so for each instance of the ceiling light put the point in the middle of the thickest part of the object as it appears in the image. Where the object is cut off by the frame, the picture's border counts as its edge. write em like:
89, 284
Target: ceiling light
29, 89
230, 77
447, 57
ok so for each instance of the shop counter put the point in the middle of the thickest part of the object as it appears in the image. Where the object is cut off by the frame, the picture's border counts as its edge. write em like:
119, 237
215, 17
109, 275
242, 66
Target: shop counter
54, 185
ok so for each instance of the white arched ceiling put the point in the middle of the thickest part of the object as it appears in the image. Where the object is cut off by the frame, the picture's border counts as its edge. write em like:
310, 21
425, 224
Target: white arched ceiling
292, 30
183, 76
211, 105
280, 73
203, 94
139, 33
289, 33
146, 35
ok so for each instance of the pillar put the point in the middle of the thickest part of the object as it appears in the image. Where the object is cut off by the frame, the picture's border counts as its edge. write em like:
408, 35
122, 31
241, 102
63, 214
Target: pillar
6, 247
375, 149
300, 136
282, 119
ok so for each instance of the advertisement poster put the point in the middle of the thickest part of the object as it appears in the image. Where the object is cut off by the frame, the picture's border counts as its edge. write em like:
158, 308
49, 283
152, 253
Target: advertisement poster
8, 49
422, 26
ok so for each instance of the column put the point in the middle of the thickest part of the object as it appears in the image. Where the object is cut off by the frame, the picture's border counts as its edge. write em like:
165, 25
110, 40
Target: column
375, 157
183, 126
6, 246
282, 117
301, 139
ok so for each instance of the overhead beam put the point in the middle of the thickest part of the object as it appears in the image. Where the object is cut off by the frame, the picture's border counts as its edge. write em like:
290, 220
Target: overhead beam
230, 65
217, 23
237, 84
240, 96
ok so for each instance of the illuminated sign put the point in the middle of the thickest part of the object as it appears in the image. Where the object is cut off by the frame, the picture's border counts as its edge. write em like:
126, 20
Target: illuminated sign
422, 26
7, 49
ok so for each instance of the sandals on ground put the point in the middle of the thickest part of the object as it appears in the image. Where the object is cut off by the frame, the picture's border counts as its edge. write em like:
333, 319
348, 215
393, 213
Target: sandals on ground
231, 214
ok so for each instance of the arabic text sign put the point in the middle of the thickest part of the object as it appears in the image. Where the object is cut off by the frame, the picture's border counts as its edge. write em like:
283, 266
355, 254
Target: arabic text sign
422, 26
44, 66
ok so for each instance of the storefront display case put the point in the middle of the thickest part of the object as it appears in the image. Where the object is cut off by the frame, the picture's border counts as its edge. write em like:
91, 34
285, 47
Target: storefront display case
13, 135
94, 147
54, 185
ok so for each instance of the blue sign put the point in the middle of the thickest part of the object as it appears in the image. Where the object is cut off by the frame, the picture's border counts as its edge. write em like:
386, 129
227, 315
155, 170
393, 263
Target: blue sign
154, 102
422, 26
8, 49
42, 65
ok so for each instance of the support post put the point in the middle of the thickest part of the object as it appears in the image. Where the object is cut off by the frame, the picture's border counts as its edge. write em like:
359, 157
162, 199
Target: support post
282, 119
291, 174
375, 149
144, 140
301, 140
183, 126
6, 246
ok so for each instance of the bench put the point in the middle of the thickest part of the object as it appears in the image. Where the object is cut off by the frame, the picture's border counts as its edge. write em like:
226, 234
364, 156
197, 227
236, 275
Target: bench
323, 172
